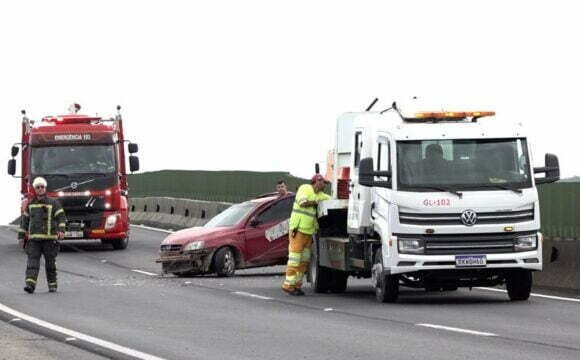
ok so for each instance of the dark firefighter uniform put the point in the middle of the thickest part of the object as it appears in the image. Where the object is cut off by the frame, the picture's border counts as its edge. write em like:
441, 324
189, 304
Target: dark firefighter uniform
42, 219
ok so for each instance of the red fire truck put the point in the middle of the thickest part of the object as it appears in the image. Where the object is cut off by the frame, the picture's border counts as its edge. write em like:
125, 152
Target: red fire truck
83, 160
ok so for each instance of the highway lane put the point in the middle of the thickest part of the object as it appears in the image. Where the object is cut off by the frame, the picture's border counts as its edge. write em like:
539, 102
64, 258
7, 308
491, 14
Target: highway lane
248, 317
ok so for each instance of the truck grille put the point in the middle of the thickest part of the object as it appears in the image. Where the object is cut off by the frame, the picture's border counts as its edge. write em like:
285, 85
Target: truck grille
82, 203
170, 248
468, 243
504, 217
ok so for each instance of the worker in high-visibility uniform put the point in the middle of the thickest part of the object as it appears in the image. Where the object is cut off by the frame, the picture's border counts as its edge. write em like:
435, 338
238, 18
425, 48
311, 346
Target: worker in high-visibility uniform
43, 222
303, 224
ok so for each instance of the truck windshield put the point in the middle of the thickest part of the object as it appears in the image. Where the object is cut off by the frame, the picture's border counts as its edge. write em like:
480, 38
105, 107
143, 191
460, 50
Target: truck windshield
485, 164
93, 159
232, 215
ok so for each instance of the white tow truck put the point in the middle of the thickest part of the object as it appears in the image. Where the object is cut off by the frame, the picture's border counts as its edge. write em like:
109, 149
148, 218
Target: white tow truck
430, 199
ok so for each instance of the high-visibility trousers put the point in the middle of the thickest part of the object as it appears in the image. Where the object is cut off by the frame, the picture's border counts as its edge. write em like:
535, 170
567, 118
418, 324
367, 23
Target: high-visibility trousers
298, 259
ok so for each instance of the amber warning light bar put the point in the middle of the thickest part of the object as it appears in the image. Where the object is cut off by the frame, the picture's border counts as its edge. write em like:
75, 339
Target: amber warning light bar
450, 115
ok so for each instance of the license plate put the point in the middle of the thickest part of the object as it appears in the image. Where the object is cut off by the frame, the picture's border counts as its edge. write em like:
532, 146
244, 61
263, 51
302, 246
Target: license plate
73, 234
470, 260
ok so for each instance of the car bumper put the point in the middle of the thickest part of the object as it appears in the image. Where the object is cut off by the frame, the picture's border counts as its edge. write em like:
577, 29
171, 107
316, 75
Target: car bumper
198, 261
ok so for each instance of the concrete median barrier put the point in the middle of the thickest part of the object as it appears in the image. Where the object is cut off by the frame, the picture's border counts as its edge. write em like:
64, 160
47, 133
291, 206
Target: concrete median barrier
561, 265
172, 213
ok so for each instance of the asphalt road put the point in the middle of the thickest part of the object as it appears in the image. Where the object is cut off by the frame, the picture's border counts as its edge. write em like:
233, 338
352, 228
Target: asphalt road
118, 296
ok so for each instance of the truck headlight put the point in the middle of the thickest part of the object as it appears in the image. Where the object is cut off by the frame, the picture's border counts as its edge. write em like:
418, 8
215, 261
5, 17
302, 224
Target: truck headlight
414, 246
196, 245
111, 221
525, 243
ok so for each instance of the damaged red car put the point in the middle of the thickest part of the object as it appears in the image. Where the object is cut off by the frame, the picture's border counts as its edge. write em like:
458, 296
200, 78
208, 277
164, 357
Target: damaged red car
250, 234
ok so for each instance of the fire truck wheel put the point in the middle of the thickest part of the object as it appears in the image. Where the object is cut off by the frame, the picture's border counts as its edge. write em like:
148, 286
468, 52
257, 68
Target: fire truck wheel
120, 244
519, 285
224, 262
386, 285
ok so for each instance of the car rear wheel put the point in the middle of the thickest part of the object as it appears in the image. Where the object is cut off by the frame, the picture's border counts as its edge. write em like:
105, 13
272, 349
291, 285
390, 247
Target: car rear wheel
224, 262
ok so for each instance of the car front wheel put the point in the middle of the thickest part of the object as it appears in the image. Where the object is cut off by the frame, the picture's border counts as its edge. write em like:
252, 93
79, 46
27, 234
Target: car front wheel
224, 262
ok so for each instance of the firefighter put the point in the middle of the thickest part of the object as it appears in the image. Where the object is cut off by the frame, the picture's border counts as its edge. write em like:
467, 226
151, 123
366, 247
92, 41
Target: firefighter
43, 223
303, 224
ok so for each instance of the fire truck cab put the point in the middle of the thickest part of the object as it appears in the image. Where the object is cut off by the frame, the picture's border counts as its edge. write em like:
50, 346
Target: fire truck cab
83, 160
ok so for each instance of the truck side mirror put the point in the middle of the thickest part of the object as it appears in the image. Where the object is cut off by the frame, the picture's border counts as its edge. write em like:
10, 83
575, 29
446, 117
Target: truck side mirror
551, 168
133, 148
12, 167
14, 150
366, 174
133, 163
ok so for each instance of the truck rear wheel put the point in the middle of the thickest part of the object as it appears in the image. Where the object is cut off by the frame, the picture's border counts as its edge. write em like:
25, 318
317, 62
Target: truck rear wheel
519, 285
386, 285
320, 278
339, 281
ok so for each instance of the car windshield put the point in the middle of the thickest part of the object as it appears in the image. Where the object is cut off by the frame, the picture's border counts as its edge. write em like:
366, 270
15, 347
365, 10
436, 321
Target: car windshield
486, 164
232, 215
52, 160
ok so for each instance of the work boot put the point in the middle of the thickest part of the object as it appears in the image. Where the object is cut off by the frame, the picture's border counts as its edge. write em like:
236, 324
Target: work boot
293, 292
29, 289
52, 289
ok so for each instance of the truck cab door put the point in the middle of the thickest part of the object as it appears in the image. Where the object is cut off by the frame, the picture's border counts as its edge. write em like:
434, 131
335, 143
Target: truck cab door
359, 197
382, 196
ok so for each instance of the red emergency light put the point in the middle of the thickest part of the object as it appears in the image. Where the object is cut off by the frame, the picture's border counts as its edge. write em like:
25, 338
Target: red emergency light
71, 119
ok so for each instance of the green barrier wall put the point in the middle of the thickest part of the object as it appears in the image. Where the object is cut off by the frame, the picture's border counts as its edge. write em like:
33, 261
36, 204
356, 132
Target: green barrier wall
560, 210
228, 186
559, 203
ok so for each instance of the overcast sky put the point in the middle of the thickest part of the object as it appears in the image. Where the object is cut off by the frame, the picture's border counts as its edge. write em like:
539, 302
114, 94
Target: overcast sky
257, 85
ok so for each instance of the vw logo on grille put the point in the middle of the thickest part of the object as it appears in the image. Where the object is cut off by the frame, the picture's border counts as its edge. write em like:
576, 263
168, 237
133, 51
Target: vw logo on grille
74, 185
469, 217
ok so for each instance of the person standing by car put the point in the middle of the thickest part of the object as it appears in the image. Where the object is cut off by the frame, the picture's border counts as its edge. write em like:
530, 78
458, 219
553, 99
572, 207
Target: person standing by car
303, 224
281, 188
43, 222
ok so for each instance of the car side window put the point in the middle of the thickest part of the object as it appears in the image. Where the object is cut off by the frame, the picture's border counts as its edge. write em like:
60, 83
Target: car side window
277, 212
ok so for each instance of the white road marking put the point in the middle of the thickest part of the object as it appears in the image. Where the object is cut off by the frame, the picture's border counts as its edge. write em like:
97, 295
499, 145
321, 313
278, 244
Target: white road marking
144, 272
14, 320
241, 293
551, 297
70, 339
153, 228
77, 335
328, 309
460, 330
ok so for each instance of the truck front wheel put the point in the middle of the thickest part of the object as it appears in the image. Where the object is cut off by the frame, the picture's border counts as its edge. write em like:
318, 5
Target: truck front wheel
120, 244
519, 285
386, 285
